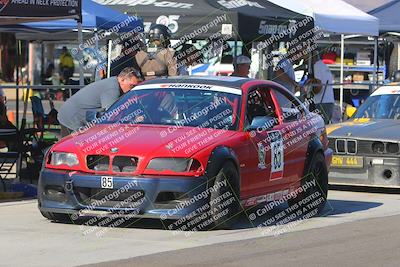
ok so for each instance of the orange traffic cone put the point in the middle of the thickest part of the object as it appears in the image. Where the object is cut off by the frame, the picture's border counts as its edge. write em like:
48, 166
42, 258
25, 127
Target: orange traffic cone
11, 116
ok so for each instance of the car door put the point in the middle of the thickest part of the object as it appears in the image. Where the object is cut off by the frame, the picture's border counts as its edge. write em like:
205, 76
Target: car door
261, 140
293, 126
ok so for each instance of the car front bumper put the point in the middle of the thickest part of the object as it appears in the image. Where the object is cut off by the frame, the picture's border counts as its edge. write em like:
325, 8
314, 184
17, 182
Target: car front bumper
376, 171
81, 194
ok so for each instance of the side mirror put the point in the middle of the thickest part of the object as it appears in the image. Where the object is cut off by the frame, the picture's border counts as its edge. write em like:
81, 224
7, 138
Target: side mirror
262, 123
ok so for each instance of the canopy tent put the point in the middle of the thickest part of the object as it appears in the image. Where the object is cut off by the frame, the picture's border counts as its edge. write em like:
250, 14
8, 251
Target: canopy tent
246, 20
12, 12
336, 16
94, 17
388, 15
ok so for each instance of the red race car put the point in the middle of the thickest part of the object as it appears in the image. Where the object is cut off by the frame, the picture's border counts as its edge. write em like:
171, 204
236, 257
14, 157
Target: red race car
189, 148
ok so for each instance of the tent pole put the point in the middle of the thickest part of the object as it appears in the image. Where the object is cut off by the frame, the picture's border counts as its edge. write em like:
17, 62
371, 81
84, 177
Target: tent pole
109, 58
375, 73
80, 54
341, 70
235, 53
96, 38
17, 84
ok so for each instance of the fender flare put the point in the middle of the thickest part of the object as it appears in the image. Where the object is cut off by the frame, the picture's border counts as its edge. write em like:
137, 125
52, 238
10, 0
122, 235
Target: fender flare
314, 146
218, 157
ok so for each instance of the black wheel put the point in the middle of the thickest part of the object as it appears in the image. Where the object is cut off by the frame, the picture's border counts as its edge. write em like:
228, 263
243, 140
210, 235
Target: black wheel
56, 217
313, 199
225, 200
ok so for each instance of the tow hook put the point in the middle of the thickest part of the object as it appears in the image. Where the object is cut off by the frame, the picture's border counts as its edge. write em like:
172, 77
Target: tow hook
69, 186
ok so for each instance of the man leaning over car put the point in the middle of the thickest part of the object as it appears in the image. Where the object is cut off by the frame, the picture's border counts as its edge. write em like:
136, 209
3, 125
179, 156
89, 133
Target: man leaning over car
94, 97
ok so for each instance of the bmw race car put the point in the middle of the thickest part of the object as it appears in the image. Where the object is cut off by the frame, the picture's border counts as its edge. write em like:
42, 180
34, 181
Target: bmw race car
175, 147
366, 147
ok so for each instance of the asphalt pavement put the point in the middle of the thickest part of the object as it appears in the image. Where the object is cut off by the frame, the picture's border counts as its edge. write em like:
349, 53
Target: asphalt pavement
357, 229
371, 242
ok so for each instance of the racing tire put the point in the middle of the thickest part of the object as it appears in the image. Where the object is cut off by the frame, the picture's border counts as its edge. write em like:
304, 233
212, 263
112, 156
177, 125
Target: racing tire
317, 171
56, 217
225, 200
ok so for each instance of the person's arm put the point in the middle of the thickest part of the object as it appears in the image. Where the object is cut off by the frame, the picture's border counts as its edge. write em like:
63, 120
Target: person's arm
281, 75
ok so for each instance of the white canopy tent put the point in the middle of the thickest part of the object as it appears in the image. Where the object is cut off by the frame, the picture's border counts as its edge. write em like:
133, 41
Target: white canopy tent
337, 16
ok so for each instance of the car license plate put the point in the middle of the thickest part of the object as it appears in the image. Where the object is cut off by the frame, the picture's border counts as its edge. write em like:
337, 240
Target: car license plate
347, 161
107, 182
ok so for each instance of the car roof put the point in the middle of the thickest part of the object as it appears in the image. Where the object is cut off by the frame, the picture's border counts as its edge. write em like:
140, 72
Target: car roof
228, 81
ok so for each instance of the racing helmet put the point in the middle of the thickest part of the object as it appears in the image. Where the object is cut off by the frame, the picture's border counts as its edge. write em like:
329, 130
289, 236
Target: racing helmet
160, 32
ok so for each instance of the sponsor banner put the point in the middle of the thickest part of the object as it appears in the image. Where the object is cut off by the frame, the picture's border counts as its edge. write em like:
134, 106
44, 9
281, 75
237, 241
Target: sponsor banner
40, 8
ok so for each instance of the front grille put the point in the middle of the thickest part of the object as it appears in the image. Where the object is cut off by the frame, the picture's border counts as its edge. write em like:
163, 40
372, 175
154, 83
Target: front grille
352, 147
340, 146
109, 198
124, 164
120, 164
363, 147
392, 148
98, 162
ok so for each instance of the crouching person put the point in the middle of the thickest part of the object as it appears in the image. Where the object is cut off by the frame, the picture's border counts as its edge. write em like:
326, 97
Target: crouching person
94, 97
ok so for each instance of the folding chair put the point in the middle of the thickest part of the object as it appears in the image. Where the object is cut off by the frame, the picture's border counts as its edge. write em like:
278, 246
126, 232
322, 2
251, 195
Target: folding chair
10, 159
40, 118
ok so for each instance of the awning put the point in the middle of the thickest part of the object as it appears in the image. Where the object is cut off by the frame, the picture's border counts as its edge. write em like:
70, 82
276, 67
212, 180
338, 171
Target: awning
334, 16
12, 12
388, 15
199, 19
94, 17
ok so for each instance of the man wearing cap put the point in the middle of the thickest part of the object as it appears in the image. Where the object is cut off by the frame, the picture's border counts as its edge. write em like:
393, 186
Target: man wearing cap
94, 97
241, 66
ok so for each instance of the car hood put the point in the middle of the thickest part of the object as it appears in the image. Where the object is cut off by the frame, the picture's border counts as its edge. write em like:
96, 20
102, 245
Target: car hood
143, 140
381, 129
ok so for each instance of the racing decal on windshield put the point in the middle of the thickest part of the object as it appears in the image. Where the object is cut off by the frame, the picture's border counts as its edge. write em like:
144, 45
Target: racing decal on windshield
277, 155
387, 90
190, 86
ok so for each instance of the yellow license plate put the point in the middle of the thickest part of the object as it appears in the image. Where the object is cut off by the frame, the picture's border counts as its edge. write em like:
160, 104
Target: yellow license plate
347, 162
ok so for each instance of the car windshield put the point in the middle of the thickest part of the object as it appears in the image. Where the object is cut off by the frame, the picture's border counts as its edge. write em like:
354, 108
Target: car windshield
182, 107
380, 107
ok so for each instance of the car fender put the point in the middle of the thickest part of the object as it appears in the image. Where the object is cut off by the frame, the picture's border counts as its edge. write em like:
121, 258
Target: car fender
314, 146
217, 158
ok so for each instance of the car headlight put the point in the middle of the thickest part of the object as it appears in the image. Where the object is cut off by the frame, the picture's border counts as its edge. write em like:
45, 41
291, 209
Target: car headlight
174, 164
62, 158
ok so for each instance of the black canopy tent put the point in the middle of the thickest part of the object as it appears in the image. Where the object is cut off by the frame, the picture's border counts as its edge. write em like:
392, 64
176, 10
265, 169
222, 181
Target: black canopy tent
244, 20
13, 11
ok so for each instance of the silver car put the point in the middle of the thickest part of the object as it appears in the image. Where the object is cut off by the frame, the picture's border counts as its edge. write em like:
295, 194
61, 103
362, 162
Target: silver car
366, 147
